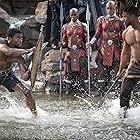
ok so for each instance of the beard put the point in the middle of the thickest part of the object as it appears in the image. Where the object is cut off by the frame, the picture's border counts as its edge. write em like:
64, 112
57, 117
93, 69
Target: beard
18, 45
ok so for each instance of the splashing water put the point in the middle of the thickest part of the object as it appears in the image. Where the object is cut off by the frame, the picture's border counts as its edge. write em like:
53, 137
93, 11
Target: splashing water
14, 110
67, 119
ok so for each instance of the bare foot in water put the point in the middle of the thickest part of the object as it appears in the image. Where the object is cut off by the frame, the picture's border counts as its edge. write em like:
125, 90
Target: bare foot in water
34, 113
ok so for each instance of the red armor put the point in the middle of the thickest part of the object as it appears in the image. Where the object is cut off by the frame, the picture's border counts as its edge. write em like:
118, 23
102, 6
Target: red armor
74, 36
110, 30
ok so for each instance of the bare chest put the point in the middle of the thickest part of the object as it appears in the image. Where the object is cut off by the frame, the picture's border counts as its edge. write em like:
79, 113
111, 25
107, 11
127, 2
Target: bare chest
132, 37
5, 62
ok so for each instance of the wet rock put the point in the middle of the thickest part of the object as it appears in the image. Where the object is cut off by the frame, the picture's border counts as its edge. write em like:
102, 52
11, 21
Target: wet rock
30, 29
41, 11
4, 23
4, 14
50, 66
20, 7
6, 6
51, 62
4, 26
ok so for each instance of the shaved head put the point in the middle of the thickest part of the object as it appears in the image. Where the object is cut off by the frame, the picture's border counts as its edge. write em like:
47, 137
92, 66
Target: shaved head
74, 14
111, 2
111, 8
74, 10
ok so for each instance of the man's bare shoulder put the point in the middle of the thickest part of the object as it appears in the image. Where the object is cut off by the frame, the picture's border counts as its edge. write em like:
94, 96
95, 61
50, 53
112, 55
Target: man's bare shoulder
3, 41
3, 45
126, 30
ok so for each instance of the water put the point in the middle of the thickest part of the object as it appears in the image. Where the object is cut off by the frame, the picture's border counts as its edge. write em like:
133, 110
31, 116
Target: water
16, 22
66, 118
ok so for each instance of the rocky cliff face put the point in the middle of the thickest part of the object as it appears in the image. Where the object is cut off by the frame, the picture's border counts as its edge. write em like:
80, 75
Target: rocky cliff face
19, 6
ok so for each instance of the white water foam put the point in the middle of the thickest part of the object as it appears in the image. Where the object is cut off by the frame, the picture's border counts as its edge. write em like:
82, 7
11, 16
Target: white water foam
111, 113
17, 112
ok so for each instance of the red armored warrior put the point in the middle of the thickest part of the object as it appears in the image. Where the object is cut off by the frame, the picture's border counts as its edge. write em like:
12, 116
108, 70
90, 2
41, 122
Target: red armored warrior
74, 37
109, 29
108, 34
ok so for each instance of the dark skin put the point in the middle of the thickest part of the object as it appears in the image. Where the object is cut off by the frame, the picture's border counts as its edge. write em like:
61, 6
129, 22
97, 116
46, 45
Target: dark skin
131, 44
10, 52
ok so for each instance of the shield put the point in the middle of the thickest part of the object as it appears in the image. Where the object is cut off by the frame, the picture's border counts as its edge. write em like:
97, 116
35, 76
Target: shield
36, 57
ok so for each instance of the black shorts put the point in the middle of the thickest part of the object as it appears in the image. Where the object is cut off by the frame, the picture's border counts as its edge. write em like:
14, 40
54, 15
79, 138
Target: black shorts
9, 80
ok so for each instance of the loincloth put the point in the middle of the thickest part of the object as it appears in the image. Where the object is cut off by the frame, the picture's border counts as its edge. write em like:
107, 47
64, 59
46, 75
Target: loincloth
133, 70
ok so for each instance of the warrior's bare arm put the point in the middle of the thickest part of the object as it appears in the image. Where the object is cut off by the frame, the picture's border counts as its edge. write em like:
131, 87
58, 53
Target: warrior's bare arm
14, 52
23, 69
125, 55
24, 72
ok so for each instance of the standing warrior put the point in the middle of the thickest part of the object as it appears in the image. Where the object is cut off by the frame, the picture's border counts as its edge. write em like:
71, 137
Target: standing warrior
130, 51
11, 52
74, 36
108, 35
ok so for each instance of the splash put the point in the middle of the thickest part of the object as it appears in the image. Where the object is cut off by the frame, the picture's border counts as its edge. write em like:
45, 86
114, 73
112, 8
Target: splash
13, 109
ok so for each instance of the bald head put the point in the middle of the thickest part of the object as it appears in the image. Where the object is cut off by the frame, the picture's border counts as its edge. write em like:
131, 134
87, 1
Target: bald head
111, 8
111, 2
74, 14
73, 10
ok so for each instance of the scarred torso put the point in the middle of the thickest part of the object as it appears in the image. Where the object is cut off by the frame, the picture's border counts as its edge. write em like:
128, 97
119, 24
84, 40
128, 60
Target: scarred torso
132, 38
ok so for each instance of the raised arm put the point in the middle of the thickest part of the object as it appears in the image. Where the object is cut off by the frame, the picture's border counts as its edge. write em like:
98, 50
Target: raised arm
14, 52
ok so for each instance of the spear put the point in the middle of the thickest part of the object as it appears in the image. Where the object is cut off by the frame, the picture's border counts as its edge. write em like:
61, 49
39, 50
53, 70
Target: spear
136, 5
60, 64
107, 93
89, 49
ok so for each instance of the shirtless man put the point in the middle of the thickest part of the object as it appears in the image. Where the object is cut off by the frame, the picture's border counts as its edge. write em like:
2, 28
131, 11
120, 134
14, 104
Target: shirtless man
11, 52
130, 53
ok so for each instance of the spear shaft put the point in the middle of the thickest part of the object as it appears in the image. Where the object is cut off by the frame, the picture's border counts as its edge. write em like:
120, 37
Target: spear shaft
89, 49
60, 64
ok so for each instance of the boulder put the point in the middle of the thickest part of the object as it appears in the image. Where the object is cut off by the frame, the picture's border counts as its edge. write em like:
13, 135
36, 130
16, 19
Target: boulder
50, 66
4, 23
41, 11
6, 6
30, 29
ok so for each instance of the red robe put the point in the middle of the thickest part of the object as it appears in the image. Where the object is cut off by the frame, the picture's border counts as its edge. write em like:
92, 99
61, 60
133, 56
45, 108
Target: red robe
109, 32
